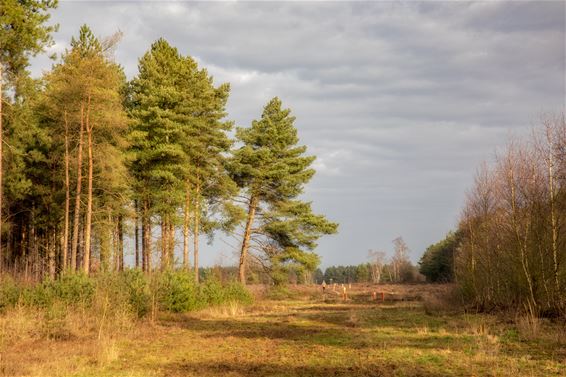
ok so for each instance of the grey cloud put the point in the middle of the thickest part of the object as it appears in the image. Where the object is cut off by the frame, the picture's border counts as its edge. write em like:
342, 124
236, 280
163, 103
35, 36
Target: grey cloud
400, 100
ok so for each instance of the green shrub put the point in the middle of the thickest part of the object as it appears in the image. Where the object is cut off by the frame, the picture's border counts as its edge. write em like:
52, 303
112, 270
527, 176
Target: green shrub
72, 288
137, 288
177, 292
68, 289
212, 292
40, 295
279, 292
237, 292
9, 292
111, 294
130, 291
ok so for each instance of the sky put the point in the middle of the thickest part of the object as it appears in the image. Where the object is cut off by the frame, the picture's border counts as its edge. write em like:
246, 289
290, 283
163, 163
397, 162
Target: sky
400, 101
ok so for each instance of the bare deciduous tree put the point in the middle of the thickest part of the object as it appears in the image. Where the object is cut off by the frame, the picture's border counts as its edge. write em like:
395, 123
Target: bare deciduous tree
512, 250
377, 261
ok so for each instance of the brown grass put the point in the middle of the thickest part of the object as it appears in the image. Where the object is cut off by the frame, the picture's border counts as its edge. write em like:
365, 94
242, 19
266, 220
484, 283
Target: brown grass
306, 335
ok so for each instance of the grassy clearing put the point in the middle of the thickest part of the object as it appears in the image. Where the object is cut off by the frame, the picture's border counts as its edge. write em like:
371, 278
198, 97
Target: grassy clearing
303, 335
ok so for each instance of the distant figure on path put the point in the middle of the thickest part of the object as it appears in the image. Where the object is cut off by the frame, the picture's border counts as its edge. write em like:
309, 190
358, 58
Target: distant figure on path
323, 286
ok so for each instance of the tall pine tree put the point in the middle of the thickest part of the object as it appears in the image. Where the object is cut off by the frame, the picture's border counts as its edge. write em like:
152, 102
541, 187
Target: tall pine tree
178, 144
159, 161
84, 103
24, 34
272, 170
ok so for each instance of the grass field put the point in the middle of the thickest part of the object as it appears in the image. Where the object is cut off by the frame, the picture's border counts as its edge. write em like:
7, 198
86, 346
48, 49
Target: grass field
305, 333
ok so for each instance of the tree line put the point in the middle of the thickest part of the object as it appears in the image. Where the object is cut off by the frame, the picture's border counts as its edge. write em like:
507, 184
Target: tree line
509, 250
437, 262
93, 159
380, 269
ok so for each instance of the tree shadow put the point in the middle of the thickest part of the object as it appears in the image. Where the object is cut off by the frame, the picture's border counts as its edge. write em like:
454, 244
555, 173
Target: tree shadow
260, 330
345, 328
341, 334
272, 369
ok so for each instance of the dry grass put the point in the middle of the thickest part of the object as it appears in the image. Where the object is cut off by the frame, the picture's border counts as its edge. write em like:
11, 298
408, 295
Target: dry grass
231, 309
106, 351
528, 325
18, 325
306, 335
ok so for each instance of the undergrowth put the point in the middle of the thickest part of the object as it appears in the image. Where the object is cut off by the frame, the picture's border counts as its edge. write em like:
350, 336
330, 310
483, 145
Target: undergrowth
131, 291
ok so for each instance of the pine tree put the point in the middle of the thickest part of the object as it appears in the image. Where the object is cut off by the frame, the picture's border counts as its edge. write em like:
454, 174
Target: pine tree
178, 143
272, 170
31, 197
24, 34
83, 95
206, 143
159, 161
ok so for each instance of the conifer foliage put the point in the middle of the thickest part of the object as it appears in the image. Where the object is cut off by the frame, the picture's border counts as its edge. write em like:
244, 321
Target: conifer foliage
25, 33
83, 102
178, 145
272, 170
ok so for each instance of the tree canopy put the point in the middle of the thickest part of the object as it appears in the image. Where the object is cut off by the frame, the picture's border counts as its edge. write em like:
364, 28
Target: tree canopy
271, 169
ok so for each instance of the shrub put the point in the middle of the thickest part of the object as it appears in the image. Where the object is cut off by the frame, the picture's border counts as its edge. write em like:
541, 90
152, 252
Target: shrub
72, 288
212, 292
68, 289
54, 324
111, 295
130, 292
279, 292
137, 288
177, 292
9, 293
237, 292
40, 296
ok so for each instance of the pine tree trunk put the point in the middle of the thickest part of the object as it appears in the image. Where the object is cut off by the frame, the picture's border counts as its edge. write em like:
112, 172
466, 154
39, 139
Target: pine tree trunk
146, 237
186, 224
246, 242
120, 243
136, 234
196, 231
114, 244
75, 241
10, 246
65, 243
105, 237
51, 254
80, 248
171, 244
88, 223
164, 244
23, 248
33, 247
144, 246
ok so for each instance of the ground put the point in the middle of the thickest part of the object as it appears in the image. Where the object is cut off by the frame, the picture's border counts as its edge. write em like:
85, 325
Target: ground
306, 334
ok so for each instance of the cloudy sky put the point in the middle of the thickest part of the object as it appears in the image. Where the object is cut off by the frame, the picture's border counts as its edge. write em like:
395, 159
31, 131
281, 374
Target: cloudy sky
400, 101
